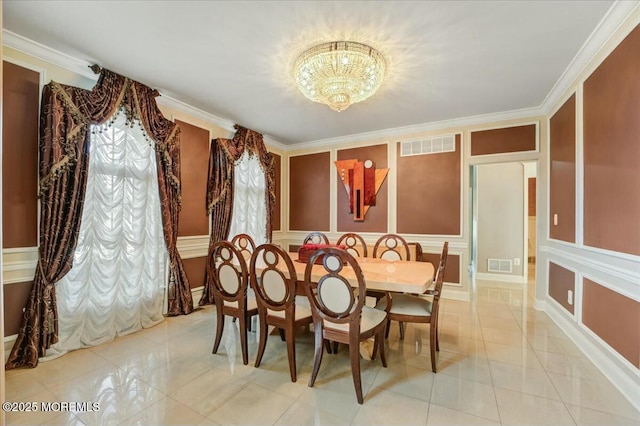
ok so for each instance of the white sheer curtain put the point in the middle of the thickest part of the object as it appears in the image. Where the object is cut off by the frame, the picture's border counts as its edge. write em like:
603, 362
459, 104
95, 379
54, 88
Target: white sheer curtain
119, 275
249, 208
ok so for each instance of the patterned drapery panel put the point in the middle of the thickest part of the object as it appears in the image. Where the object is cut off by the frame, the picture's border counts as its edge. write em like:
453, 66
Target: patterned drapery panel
66, 116
223, 155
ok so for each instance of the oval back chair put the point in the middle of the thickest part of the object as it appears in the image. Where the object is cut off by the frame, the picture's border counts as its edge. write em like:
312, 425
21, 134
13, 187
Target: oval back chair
316, 238
392, 247
354, 244
227, 271
273, 279
339, 313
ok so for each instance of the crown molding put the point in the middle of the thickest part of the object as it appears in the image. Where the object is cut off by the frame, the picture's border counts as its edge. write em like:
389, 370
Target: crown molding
608, 26
423, 127
194, 112
47, 54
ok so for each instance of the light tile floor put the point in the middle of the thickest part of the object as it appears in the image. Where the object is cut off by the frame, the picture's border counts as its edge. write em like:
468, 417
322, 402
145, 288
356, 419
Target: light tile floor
501, 362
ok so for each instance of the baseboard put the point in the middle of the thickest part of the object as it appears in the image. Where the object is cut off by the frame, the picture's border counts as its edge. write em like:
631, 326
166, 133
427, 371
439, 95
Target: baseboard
517, 279
8, 345
624, 376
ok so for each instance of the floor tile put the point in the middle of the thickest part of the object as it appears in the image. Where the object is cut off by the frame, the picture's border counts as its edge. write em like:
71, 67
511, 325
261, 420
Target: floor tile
526, 380
252, 405
469, 397
517, 408
439, 415
384, 407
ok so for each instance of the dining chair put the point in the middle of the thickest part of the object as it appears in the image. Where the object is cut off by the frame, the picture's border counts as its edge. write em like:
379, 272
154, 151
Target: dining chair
316, 238
392, 247
228, 271
420, 309
416, 250
354, 244
339, 313
245, 244
273, 279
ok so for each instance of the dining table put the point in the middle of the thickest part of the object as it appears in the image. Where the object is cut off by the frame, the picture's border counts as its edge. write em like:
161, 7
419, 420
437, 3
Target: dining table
403, 276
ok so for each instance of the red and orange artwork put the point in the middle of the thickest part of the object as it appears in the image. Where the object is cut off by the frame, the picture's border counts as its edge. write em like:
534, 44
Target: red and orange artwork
362, 181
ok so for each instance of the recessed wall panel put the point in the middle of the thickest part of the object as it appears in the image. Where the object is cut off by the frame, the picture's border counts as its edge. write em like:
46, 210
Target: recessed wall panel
613, 317
194, 164
451, 271
561, 282
428, 193
21, 88
612, 150
15, 298
505, 140
195, 268
376, 217
562, 173
309, 191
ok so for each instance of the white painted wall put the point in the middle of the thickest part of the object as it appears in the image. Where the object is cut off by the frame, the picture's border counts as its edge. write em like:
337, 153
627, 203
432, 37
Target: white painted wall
500, 215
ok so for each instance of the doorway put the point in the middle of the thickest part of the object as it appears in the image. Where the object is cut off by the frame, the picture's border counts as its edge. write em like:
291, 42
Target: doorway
503, 222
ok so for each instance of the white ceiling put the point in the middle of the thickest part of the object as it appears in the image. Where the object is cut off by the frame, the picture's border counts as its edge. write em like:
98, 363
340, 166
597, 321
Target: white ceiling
446, 60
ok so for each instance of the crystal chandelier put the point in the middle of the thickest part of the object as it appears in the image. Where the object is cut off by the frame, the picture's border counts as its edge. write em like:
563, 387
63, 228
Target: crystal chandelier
339, 73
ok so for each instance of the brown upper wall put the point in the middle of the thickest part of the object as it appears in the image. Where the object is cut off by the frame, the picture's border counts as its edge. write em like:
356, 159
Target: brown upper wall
612, 150
21, 88
376, 217
277, 161
508, 139
562, 173
194, 163
195, 268
562, 280
613, 317
428, 192
309, 185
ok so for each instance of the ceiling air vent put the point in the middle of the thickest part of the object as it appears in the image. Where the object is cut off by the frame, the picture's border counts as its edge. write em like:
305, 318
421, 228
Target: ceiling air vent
429, 146
499, 265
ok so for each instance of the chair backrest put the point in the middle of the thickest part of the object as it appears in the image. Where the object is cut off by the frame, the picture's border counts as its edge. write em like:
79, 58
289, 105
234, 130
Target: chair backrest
316, 238
416, 251
392, 247
275, 285
443, 260
354, 244
245, 244
228, 271
333, 299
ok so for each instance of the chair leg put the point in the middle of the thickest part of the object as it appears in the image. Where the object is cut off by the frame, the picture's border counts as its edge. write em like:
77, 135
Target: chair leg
243, 339
282, 336
327, 344
437, 339
432, 347
374, 352
219, 328
401, 325
386, 333
291, 351
383, 356
335, 347
262, 343
317, 358
354, 355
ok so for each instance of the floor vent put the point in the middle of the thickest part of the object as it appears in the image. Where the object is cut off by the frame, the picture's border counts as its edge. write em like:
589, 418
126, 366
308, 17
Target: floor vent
429, 146
499, 265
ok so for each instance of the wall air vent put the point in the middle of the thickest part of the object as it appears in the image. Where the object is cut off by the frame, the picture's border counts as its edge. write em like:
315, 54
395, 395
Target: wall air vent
499, 265
429, 146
